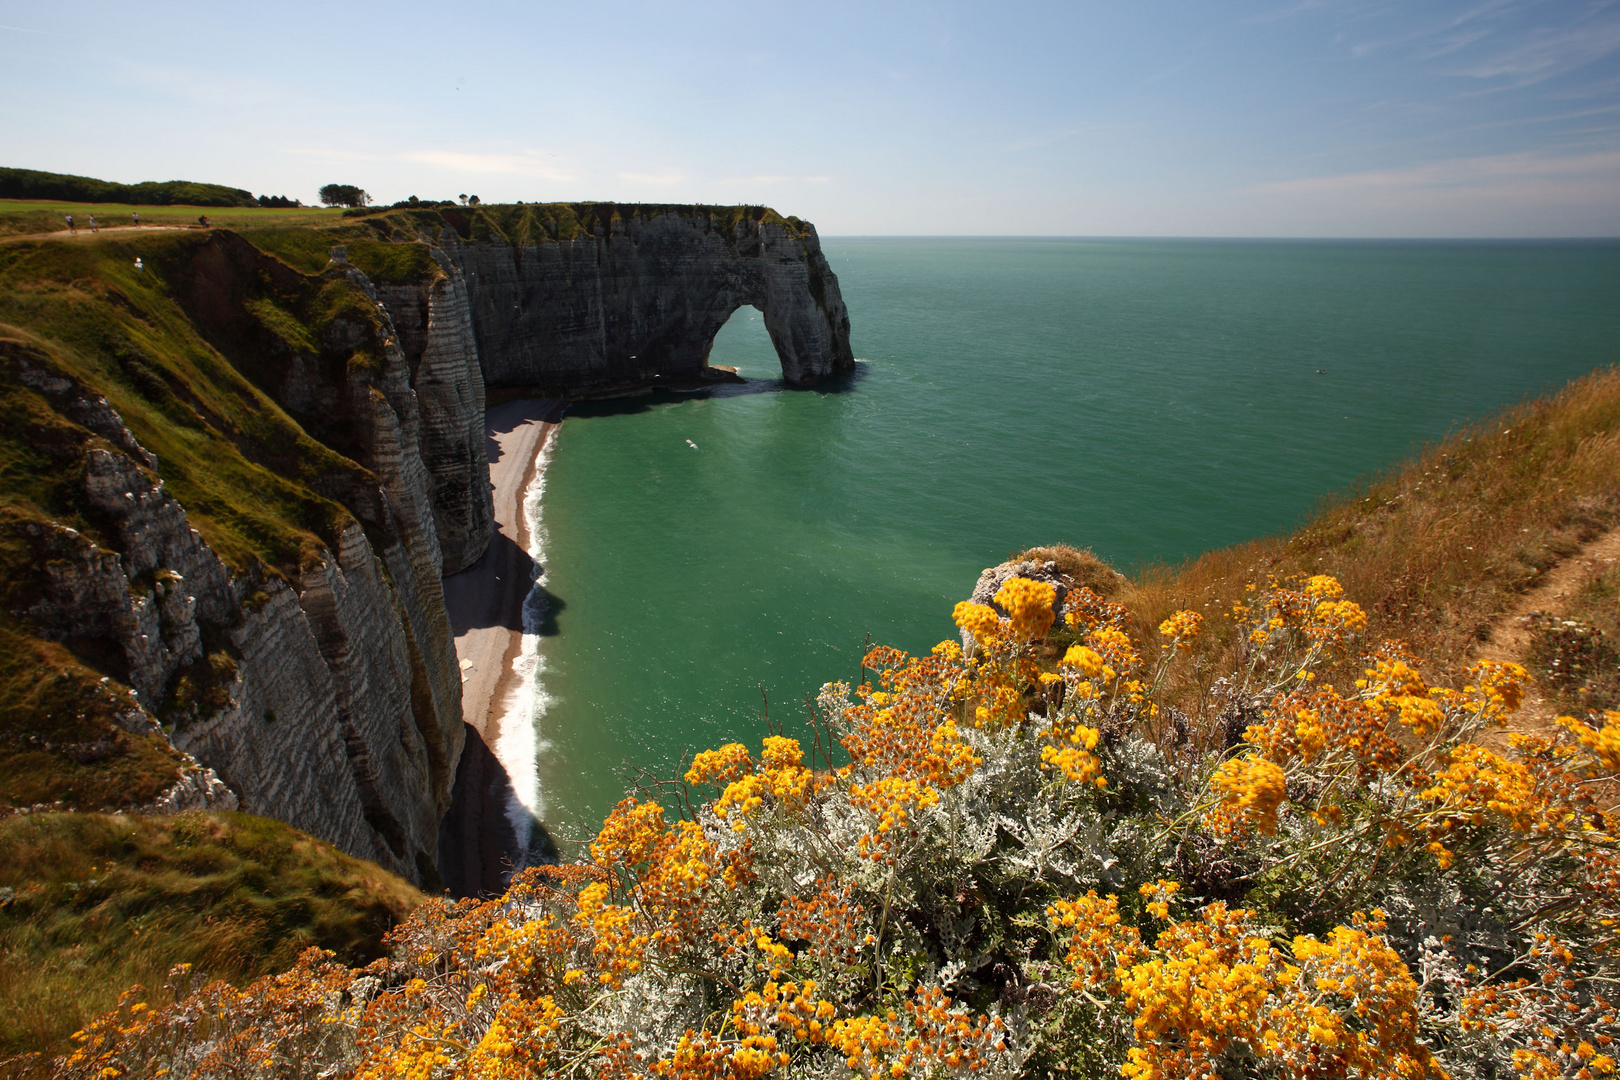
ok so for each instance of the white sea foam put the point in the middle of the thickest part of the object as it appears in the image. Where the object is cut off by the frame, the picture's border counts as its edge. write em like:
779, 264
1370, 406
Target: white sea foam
520, 742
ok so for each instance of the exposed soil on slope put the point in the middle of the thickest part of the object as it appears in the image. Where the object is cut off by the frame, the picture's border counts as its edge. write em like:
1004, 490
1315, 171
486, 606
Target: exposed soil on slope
1511, 634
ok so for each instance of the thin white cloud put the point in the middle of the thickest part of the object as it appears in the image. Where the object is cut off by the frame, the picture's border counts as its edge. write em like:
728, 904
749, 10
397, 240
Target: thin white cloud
1040, 140
1459, 172
27, 30
1443, 33
528, 163
651, 178
1548, 54
524, 163
211, 88
732, 181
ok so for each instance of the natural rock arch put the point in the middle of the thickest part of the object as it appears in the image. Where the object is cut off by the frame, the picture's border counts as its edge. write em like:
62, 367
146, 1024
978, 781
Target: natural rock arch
640, 298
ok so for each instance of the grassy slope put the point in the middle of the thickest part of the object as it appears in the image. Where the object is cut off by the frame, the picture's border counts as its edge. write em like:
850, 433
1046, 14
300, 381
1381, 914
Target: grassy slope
91, 904
22, 216
1434, 550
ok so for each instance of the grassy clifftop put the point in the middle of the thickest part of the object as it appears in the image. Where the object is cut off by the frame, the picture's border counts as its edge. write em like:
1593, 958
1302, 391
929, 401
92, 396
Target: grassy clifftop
545, 223
1437, 549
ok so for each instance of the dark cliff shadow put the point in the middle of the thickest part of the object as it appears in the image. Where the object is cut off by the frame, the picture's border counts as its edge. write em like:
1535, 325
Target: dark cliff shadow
497, 590
506, 416
478, 845
629, 406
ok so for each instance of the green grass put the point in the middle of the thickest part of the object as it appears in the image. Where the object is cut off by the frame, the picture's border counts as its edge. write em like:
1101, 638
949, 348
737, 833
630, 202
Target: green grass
527, 224
22, 216
387, 262
83, 310
91, 904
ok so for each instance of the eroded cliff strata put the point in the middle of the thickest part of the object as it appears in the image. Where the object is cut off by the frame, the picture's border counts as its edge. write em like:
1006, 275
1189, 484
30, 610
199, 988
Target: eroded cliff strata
317, 683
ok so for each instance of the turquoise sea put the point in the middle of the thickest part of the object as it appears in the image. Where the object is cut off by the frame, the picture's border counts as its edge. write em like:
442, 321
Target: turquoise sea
1149, 399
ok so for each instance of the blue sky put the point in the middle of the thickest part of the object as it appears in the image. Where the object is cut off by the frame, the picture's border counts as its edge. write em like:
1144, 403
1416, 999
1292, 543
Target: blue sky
1313, 118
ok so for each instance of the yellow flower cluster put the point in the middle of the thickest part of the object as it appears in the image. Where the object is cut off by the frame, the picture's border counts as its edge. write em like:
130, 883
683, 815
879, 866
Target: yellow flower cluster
931, 1037
1075, 759
1343, 1007
1181, 628
618, 947
892, 800
780, 776
1028, 605
1087, 663
1251, 789
1604, 742
1295, 622
720, 766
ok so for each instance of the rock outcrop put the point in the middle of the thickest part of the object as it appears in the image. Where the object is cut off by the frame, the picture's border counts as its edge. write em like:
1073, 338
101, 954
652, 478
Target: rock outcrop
326, 695
639, 298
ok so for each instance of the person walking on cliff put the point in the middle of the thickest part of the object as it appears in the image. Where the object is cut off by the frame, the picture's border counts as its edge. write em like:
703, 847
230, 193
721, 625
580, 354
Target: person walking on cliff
93, 226
137, 216
72, 228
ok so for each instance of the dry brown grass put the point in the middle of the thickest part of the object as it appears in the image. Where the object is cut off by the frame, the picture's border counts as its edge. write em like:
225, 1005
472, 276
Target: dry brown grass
1079, 567
1434, 550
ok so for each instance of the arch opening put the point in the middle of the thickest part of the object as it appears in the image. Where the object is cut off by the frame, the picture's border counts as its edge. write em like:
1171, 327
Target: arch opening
744, 343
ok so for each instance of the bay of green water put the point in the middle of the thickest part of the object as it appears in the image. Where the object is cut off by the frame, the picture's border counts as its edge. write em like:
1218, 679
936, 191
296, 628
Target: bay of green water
1147, 399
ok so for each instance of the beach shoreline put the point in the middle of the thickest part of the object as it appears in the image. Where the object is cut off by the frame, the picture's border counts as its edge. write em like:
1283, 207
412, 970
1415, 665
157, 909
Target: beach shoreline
480, 844
485, 601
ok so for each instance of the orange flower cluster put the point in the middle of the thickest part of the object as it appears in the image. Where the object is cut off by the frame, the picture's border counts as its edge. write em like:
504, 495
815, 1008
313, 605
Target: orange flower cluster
1251, 789
1399, 737
831, 923
1180, 629
1565, 1028
930, 1036
780, 777
1214, 989
1293, 624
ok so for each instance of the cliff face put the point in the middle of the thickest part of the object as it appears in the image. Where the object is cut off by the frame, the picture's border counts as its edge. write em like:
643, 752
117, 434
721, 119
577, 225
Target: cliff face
433, 319
357, 656
322, 689
276, 633
639, 298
